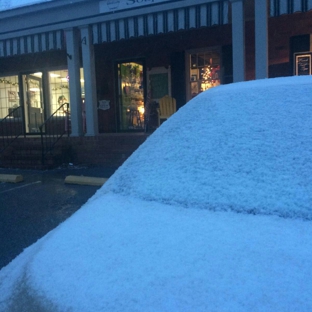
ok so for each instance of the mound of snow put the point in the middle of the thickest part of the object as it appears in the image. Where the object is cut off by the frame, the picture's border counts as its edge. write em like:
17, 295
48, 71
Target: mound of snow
245, 147
125, 254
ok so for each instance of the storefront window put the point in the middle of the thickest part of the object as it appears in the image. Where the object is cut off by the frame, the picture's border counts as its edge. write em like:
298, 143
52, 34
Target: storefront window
131, 95
37, 107
204, 71
9, 95
59, 89
33, 101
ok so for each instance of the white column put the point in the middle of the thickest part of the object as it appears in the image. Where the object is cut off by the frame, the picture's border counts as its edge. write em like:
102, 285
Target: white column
261, 37
72, 44
238, 39
89, 81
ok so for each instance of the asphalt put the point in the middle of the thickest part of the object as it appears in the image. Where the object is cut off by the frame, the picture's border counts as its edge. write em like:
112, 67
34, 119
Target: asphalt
31, 208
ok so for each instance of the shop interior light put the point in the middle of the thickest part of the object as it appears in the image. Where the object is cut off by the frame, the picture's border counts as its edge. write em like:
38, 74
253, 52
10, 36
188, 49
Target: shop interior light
34, 89
37, 74
141, 109
52, 75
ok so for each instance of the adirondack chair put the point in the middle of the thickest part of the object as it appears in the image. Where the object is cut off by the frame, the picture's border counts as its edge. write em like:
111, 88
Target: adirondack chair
167, 107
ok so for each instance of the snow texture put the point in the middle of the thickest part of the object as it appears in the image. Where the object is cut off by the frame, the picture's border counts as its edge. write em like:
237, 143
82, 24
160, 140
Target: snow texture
134, 246
245, 147
12, 4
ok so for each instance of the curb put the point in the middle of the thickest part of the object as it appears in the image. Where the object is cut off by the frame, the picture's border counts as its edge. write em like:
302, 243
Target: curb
11, 178
82, 180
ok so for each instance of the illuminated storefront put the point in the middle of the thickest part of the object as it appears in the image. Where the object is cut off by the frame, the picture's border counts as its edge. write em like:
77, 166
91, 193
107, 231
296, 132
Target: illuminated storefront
197, 32
40, 94
131, 95
9, 94
113, 61
204, 70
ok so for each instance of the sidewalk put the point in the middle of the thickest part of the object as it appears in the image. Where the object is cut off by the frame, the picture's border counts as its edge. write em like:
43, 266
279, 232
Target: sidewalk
31, 208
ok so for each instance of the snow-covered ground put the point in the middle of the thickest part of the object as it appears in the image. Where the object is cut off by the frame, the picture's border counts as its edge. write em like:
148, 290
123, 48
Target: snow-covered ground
12, 4
212, 213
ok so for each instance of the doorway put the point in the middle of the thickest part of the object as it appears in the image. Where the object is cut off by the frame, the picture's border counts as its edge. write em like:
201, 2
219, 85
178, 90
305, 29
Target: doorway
33, 102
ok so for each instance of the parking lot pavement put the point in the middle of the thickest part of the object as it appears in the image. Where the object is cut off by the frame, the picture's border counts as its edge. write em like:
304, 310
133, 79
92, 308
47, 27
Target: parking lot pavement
31, 208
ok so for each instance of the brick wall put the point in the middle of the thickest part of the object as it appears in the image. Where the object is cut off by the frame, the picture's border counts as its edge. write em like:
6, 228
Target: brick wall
107, 149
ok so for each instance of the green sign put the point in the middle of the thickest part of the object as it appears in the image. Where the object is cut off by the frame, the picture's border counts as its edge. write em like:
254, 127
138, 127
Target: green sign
159, 85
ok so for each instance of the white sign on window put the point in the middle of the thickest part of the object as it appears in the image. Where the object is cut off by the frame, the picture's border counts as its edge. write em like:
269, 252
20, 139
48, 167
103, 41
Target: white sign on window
104, 104
116, 5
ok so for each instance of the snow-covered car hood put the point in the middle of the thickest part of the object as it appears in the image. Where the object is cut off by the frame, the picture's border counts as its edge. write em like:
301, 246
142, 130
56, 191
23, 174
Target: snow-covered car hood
163, 234
245, 147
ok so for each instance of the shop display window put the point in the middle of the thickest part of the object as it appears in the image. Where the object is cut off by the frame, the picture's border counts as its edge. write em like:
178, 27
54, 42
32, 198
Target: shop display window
131, 95
59, 88
42, 93
33, 101
9, 95
204, 71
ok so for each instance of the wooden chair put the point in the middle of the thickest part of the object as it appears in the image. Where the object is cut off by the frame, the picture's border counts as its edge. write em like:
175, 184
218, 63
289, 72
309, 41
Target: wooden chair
167, 107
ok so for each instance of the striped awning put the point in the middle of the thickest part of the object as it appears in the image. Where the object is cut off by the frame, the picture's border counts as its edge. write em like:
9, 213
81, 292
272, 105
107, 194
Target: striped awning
204, 15
280, 7
53, 40
172, 20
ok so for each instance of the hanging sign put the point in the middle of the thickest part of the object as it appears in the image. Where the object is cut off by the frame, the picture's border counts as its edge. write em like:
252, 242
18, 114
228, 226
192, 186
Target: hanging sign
104, 104
116, 5
159, 85
303, 64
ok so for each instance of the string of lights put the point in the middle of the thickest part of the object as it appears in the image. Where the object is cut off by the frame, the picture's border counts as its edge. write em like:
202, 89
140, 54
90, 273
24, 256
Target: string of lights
9, 82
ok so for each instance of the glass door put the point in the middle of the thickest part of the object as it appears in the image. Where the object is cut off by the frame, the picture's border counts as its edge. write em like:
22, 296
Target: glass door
33, 101
131, 95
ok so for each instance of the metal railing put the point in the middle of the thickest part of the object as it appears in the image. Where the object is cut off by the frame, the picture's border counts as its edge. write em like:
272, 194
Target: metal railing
11, 127
53, 129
